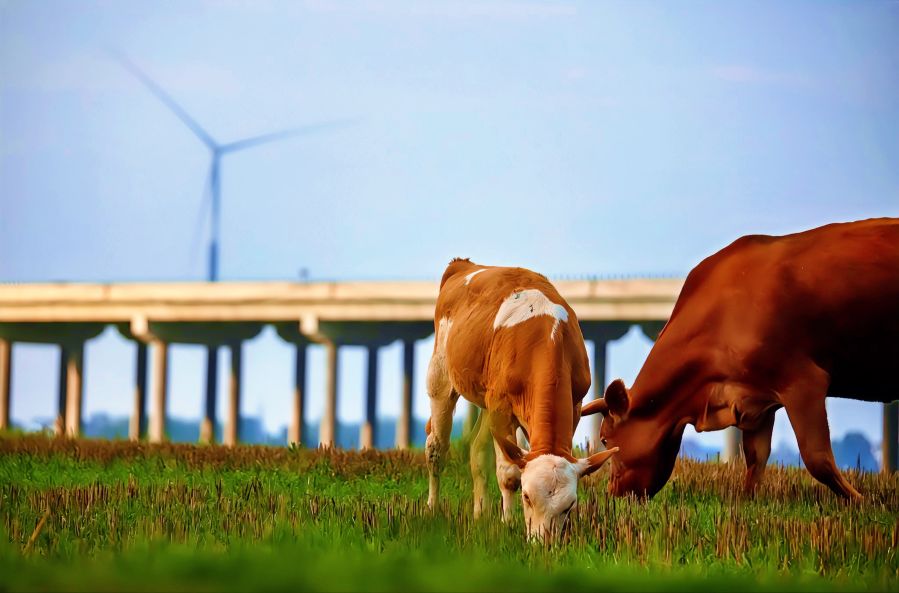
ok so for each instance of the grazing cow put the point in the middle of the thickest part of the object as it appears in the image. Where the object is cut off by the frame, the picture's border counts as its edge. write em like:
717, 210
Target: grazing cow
508, 342
765, 323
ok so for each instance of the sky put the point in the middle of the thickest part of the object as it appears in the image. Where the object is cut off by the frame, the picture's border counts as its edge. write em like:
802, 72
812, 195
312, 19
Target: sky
572, 138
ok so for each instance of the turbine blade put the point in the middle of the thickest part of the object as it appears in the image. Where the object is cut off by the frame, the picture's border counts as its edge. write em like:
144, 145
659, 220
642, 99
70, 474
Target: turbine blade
284, 134
167, 100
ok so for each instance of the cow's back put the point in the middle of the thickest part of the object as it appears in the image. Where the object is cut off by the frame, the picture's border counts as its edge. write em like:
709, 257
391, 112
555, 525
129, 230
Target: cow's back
478, 355
830, 294
848, 295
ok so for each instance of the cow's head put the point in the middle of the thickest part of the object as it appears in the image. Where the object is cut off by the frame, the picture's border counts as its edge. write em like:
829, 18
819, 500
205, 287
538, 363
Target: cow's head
649, 446
549, 486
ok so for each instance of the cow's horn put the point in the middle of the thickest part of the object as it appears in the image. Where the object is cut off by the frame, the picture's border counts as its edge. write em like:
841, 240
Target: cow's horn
597, 406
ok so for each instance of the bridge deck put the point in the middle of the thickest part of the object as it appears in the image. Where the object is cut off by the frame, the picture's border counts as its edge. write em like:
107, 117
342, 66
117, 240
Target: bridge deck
619, 300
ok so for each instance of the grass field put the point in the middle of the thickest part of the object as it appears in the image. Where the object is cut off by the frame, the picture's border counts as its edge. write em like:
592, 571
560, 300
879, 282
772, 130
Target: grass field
176, 517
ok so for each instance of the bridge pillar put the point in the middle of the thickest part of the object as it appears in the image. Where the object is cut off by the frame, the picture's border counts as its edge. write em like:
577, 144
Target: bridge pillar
59, 426
209, 334
70, 337
599, 386
890, 446
334, 334
404, 422
5, 381
290, 332
232, 427
368, 433
328, 431
733, 440
138, 423
207, 425
601, 333
295, 436
74, 388
160, 391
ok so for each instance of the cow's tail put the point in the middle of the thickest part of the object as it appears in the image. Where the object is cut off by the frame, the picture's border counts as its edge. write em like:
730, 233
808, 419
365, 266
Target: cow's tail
456, 265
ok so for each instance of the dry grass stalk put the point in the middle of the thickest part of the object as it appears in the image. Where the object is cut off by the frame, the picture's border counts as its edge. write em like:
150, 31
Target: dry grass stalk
36, 532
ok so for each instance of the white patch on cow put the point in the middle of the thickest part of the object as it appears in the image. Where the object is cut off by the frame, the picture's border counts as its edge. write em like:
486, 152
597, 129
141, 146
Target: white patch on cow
549, 493
469, 277
527, 304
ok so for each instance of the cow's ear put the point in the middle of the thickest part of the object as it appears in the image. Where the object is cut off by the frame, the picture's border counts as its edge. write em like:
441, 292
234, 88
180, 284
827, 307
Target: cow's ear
511, 451
617, 398
590, 464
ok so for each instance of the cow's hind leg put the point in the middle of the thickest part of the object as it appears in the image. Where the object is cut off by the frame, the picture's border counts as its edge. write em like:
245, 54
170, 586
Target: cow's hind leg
479, 457
756, 449
443, 402
808, 415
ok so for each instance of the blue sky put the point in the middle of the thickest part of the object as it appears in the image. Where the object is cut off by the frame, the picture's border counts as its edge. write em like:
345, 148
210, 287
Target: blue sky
568, 137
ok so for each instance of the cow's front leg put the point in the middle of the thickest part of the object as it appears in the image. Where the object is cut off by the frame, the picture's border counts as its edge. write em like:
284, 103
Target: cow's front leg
808, 415
508, 476
756, 449
443, 402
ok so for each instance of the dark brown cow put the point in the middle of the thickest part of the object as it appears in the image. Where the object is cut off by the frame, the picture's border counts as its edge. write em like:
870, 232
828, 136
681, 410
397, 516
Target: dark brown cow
511, 344
765, 323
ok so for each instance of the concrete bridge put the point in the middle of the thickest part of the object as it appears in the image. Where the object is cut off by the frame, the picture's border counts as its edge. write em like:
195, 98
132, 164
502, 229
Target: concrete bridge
370, 314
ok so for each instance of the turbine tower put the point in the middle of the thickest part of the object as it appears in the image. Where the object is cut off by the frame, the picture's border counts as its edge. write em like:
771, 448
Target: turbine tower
217, 150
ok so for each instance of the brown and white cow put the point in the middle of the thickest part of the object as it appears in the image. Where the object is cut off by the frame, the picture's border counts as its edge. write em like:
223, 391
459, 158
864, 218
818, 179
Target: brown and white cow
765, 323
510, 343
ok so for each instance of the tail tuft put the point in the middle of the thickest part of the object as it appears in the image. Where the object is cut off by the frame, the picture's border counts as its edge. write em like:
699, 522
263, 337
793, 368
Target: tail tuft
455, 265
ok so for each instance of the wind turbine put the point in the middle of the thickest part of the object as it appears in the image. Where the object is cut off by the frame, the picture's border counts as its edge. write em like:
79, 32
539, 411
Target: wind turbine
217, 151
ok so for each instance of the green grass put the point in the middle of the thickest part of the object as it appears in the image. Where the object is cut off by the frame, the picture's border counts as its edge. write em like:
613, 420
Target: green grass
177, 517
